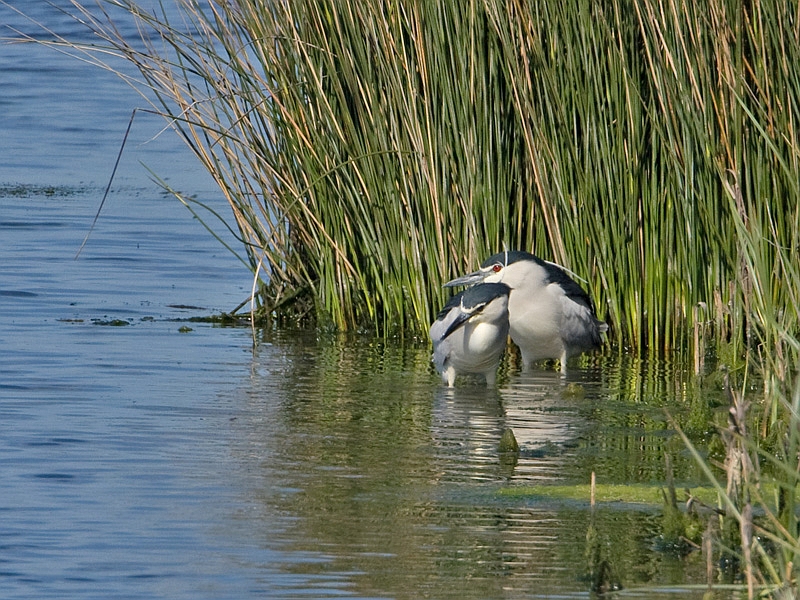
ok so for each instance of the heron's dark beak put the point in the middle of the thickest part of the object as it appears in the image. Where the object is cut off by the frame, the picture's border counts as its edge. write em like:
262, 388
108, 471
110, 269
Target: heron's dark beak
460, 320
470, 279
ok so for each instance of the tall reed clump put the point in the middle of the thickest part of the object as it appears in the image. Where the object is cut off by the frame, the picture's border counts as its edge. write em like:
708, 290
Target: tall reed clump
656, 130
371, 151
366, 150
724, 85
724, 94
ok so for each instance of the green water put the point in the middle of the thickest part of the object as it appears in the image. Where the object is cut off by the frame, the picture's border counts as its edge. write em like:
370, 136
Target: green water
395, 486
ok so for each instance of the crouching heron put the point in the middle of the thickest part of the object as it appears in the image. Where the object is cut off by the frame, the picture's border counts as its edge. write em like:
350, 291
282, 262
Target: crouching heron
550, 316
471, 331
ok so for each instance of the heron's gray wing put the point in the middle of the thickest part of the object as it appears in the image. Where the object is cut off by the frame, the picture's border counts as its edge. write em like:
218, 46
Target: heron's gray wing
445, 319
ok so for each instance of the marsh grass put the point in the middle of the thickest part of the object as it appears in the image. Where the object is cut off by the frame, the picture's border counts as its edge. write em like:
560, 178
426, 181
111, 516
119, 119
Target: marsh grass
370, 152
756, 522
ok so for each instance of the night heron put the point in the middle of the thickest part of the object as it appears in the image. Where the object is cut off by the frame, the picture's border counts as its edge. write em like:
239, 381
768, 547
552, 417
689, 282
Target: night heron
549, 314
471, 331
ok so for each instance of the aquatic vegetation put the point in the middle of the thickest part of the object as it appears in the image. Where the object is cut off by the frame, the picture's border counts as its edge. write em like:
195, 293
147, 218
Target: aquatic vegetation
369, 153
8, 190
754, 525
649, 496
111, 322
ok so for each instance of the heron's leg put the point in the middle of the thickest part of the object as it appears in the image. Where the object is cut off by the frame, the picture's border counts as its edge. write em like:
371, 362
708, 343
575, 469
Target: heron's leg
526, 364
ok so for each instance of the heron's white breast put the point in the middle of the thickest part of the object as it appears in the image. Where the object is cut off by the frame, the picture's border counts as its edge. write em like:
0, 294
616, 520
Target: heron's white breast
483, 338
535, 321
537, 314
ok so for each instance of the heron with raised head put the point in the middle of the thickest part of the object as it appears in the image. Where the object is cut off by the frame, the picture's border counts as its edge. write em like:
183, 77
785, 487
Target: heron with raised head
471, 332
550, 316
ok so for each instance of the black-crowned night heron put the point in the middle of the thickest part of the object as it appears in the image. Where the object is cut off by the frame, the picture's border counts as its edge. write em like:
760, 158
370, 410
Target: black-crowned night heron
550, 316
471, 331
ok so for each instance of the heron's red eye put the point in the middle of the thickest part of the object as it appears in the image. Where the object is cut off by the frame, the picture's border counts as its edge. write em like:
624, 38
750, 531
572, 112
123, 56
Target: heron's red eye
497, 268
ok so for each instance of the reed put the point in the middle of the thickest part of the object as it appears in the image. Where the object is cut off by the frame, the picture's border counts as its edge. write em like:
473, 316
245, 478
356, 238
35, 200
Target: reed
370, 152
756, 479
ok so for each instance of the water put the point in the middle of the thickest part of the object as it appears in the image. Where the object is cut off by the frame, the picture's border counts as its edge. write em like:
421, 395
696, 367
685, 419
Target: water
138, 460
